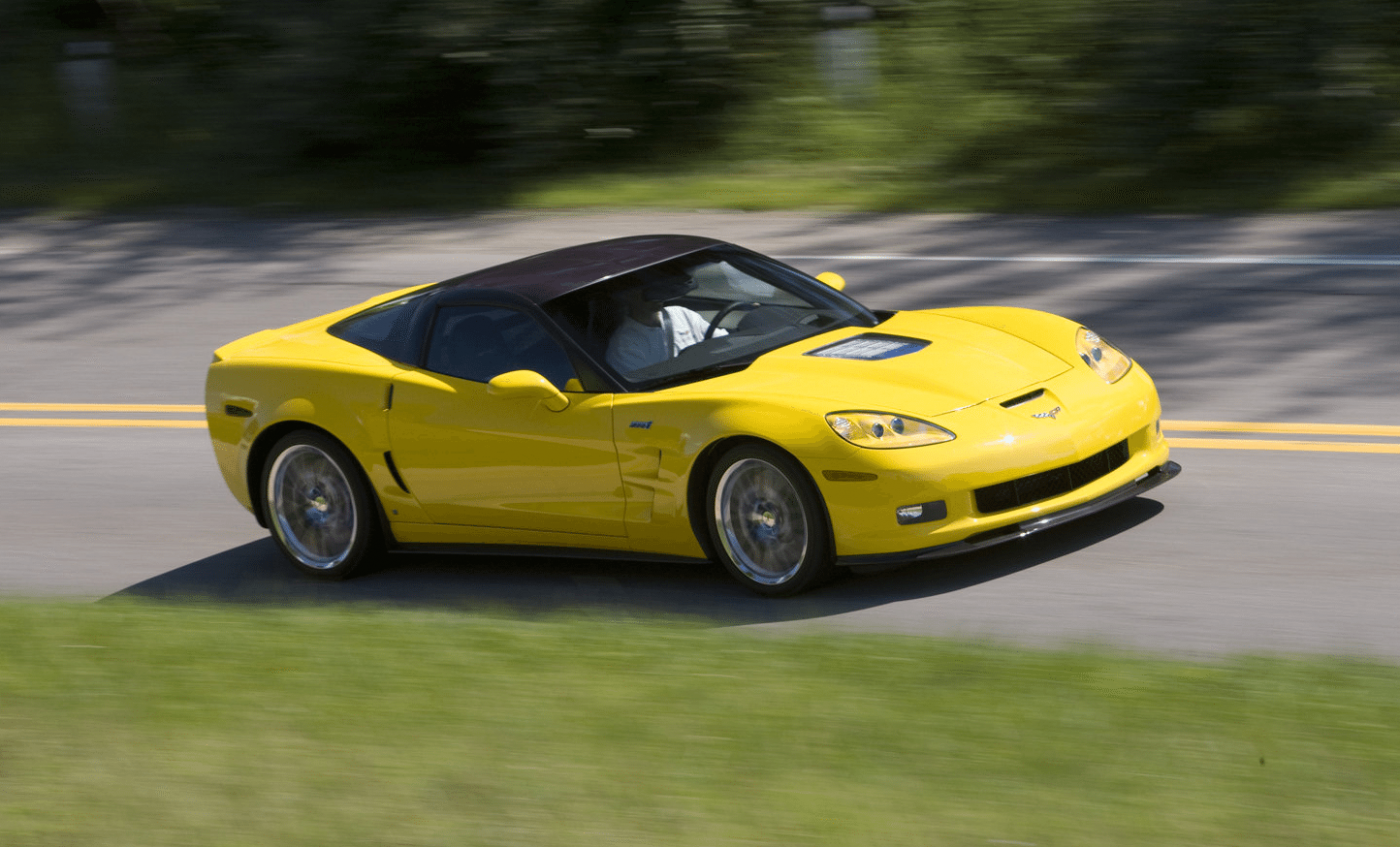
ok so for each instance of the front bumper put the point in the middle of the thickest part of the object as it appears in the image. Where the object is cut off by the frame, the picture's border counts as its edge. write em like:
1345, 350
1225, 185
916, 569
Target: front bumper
1011, 532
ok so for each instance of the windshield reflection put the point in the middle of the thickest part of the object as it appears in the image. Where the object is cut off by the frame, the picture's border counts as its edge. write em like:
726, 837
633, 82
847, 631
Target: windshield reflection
710, 312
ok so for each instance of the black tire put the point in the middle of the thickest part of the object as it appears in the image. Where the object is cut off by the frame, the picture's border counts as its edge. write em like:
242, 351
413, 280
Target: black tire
767, 521
318, 506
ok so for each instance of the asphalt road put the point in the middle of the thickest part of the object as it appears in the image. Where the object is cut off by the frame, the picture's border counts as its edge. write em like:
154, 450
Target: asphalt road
1260, 546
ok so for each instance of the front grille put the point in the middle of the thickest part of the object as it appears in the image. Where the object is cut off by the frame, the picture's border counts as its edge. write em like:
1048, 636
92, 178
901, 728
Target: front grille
1052, 483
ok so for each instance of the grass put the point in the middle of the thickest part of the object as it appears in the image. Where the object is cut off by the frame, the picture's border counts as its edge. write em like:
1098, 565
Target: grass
871, 173
127, 724
755, 186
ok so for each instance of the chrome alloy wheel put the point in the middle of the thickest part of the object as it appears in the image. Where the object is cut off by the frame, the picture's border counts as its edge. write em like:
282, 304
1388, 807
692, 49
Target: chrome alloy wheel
312, 507
761, 521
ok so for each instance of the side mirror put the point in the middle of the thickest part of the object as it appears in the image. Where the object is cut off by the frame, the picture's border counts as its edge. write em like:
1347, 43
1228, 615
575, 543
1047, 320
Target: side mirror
834, 280
527, 385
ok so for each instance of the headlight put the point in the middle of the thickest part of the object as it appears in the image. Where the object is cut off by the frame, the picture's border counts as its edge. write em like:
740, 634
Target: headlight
1102, 358
882, 431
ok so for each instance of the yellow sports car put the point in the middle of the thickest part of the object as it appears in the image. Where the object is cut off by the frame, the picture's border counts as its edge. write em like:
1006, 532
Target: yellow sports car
668, 397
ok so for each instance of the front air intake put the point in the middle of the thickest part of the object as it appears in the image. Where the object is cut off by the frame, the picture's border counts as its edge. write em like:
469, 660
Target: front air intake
1052, 483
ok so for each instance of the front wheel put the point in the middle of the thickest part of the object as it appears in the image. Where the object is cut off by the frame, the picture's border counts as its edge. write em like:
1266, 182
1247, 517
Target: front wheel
767, 521
318, 507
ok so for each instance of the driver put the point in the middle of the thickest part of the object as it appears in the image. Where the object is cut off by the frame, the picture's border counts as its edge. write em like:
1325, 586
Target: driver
651, 331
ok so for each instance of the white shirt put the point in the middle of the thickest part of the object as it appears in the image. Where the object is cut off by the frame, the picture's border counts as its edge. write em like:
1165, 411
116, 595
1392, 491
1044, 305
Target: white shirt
635, 345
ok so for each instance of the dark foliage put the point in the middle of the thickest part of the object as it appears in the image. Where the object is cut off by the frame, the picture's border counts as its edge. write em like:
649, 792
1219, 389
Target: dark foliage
514, 84
1129, 100
1170, 96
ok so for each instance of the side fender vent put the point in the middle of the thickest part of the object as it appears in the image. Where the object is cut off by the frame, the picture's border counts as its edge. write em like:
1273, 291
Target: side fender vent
394, 472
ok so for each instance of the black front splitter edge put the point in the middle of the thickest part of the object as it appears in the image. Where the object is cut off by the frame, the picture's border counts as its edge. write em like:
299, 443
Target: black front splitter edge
982, 540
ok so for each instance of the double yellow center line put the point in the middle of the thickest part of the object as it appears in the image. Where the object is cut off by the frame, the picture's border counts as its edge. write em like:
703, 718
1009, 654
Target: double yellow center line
93, 414
1321, 438
1210, 435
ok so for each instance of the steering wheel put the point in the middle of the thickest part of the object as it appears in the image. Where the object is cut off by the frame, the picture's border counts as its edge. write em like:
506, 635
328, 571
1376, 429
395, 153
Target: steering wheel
724, 313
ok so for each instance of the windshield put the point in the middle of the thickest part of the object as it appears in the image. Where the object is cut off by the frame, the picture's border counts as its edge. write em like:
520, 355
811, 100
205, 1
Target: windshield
709, 312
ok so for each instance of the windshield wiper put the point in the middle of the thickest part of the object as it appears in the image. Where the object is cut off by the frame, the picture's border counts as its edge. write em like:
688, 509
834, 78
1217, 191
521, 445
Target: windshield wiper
697, 374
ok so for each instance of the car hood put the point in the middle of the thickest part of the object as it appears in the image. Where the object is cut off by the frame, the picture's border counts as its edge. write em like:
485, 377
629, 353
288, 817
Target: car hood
916, 363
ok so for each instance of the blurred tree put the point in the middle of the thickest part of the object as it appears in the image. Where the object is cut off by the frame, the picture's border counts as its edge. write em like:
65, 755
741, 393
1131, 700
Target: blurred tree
1119, 96
521, 84
1188, 93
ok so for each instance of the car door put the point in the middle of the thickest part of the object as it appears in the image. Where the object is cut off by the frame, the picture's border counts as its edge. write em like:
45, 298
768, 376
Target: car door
474, 459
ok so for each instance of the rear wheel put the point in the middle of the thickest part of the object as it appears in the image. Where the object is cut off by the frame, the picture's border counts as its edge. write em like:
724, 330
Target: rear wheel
318, 506
767, 521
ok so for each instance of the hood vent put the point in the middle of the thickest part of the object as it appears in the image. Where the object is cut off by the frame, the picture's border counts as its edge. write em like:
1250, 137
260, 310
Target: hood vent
1023, 399
869, 346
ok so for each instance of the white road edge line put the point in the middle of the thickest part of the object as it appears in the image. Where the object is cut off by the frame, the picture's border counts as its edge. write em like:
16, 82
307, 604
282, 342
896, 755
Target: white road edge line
1335, 261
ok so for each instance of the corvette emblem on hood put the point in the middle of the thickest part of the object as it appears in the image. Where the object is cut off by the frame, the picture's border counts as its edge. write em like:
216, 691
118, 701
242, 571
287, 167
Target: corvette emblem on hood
1050, 414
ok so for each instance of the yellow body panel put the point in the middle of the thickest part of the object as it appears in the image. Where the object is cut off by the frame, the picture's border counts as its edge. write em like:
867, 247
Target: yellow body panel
478, 460
617, 471
994, 445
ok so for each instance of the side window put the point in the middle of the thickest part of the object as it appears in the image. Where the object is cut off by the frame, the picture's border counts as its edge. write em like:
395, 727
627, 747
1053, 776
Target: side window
481, 342
383, 328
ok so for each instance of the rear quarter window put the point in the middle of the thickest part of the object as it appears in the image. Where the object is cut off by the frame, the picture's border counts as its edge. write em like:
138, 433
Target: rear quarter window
383, 328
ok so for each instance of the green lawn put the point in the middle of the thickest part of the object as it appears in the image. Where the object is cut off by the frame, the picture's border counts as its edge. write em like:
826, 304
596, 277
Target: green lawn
211, 725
